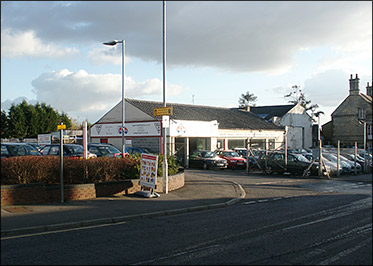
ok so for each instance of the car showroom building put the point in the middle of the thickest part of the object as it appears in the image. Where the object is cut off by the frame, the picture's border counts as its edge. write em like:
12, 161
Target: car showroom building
192, 127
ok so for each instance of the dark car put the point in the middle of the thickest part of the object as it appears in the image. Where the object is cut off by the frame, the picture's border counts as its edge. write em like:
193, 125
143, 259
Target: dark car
135, 150
233, 158
104, 150
206, 160
17, 149
296, 164
69, 150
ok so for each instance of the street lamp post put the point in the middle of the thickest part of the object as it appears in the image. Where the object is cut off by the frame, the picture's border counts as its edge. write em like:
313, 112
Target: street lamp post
319, 142
364, 123
113, 43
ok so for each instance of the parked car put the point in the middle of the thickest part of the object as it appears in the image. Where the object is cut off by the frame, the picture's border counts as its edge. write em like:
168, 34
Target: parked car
351, 163
207, 160
233, 158
346, 168
18, 149
69, 150
243, 153
104, 150
331, 166
135, 150
296, 164
36, 146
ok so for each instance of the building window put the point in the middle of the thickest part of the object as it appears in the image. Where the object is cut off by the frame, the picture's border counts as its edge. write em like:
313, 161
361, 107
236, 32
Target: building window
369, 131
361, 113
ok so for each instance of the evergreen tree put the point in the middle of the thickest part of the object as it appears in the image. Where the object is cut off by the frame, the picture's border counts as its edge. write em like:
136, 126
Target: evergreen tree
246, 100
4, 125
27, 121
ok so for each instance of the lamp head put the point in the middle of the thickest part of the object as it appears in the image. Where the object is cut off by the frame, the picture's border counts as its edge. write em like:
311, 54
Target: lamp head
112, 43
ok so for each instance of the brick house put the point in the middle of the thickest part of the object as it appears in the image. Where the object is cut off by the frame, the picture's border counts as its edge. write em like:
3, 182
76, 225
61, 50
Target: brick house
349, 118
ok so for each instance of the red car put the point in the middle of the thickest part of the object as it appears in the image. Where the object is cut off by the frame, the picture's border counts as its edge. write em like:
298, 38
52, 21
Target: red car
233, 158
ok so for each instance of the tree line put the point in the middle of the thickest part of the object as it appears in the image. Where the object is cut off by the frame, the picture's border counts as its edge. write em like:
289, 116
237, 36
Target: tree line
27, 121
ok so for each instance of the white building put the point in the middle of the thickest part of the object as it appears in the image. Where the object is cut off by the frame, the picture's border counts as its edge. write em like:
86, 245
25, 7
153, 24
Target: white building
192, 127
294, 117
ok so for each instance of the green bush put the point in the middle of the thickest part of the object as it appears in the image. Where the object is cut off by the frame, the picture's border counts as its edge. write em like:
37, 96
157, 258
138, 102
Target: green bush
46, 169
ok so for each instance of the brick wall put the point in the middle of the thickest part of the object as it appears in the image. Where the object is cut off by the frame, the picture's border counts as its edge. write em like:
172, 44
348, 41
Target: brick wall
41, 193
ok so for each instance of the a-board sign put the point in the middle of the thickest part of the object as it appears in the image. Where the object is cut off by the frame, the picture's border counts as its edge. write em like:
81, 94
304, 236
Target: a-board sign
148, 172
159, 111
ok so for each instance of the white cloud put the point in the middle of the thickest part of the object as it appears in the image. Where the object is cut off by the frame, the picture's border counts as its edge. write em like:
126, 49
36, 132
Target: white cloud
84, 93
27, 44
237, 36
105, 55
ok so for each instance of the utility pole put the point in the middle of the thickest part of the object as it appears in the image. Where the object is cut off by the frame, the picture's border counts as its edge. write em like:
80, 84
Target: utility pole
165, 165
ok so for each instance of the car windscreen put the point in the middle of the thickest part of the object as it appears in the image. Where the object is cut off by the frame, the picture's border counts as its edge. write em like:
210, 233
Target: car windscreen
208, 154
230, 154
74, 149
301, 158
107, 150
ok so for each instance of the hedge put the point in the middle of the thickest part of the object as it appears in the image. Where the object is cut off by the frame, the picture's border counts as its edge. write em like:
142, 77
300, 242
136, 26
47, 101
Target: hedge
46, 169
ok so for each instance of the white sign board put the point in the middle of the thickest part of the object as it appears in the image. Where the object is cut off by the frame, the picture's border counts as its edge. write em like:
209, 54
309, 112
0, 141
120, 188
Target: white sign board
188, 128
135, 129
165, 121
149, 168
44, 139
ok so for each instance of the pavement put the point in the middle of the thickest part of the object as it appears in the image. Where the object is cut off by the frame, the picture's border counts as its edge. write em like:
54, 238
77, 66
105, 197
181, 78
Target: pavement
200, 192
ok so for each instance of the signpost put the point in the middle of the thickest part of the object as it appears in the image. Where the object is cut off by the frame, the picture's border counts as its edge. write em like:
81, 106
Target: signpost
61, 128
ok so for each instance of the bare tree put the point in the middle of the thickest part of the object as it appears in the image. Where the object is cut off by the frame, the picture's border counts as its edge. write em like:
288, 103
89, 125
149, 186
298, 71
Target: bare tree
297, 96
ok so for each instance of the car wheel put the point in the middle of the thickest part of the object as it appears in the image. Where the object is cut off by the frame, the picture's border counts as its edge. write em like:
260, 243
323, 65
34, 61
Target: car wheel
204, 166
268, 170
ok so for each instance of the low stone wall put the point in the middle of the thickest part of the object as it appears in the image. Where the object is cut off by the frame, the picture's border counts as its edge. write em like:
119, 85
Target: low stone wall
41, 193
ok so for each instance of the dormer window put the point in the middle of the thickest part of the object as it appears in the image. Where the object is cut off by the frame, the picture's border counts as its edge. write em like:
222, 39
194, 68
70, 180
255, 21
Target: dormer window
361, 113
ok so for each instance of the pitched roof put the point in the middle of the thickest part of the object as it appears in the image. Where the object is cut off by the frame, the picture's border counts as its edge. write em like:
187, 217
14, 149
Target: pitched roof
228, 118
269, 111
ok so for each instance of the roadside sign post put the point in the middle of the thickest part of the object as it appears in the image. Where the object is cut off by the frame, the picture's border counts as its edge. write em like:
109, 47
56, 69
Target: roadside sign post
61, 128
165, 112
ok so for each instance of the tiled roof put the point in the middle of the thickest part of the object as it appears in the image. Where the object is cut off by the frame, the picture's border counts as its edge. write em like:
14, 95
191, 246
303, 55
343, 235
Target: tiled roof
228, 118
267, 112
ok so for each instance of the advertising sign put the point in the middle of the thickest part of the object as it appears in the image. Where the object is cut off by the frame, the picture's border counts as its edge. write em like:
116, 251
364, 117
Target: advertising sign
44, 139
184, 128
131, 129
149, 168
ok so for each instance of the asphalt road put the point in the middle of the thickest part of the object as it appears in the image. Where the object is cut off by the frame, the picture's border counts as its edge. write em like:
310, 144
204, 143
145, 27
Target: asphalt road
282, 220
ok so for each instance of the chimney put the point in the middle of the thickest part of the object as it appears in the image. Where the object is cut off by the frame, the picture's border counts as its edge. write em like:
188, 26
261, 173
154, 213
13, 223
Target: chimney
354, 85
369, 89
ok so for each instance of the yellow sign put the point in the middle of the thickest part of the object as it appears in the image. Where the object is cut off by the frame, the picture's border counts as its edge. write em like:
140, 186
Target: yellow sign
162, 111
59, 127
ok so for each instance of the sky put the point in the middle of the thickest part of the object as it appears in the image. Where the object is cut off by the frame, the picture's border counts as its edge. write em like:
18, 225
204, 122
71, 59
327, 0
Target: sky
53, 52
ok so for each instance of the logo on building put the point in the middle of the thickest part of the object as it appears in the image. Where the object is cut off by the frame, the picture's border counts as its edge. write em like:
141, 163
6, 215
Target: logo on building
181, 130
158, 127
98, 128
120, 130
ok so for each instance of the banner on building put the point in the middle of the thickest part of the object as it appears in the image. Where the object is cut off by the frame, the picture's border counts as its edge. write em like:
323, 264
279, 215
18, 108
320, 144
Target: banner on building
131, 129
148, 172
